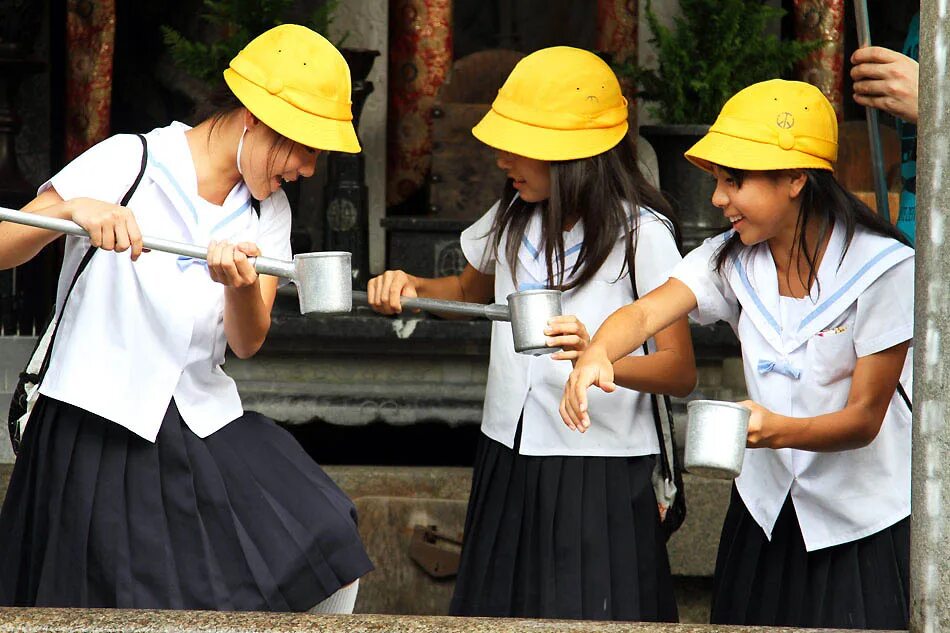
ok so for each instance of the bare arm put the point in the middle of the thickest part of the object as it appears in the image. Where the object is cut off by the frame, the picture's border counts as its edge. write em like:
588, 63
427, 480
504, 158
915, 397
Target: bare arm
857, 424
623, 331
670, 370
248, 297
110, 227
386, 290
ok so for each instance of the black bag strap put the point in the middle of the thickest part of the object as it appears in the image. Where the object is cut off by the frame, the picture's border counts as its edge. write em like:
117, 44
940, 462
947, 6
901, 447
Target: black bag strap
654, 402
904, 396
87, 257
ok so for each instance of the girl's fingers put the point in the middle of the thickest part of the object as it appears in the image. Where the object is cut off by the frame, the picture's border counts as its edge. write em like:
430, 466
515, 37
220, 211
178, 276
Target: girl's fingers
568, 354
565, 416
572, 341
122, 241
135, 236
395, 291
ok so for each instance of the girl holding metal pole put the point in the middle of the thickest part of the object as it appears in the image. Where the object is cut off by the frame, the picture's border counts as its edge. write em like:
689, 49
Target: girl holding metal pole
141, 482
560, 524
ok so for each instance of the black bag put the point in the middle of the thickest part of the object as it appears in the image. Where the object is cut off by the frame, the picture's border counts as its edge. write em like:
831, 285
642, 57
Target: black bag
668, 473
27, 388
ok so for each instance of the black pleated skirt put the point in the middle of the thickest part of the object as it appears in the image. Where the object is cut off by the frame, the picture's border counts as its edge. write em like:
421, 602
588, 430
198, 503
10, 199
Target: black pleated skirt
243, 519
863, 584
563, 537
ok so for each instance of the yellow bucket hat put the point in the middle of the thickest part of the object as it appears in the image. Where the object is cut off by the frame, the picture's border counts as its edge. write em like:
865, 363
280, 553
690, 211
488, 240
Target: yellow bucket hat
771, 125
558, 103
298, 84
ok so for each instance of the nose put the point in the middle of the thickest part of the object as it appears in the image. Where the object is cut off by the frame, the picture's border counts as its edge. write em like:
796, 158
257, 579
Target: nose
503, 160
719, 197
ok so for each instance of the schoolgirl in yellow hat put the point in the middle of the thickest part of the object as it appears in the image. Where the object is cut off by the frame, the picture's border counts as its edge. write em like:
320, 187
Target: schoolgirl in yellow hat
820, 293
141, 482
562, 524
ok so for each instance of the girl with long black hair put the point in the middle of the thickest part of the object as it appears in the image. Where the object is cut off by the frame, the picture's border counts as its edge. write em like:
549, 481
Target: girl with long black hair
562, 524
820, 292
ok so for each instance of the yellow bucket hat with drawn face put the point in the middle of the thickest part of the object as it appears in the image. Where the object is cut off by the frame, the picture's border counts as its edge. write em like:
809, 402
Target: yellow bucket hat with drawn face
558, 103
298, 84
771, 125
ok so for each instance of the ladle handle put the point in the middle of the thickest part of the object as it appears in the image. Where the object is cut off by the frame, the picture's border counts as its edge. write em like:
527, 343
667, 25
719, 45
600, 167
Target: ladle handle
495, 312
264, 265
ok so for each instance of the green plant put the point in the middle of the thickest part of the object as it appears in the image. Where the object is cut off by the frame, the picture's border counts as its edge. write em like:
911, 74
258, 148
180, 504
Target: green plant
715, 48
235, 23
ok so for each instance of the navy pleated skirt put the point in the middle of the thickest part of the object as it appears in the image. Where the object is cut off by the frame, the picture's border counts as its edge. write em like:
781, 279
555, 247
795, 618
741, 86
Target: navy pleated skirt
243, 519
863, 584
563, 537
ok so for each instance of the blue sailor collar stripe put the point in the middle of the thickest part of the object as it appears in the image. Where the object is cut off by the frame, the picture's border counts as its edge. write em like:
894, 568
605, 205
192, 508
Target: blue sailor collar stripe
754, 281
198, 227
532, 268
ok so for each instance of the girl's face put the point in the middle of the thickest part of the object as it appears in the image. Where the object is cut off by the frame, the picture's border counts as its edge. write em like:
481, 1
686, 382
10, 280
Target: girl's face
532, 178
764, 207
269, 159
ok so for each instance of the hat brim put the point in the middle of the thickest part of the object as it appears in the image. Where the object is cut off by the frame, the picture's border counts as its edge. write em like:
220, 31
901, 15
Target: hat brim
287, 120
737, 153
547, 144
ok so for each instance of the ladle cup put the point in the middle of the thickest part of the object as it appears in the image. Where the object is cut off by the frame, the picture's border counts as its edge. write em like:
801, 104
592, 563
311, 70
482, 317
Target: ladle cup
716, 438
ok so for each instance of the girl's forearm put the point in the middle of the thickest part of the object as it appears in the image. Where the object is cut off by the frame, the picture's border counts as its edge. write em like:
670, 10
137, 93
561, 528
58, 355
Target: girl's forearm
665, 371
622, 332
852, 427
246, 319
20, 243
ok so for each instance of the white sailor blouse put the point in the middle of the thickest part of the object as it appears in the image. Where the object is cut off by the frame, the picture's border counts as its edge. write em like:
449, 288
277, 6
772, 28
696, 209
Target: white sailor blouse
799, 356
622, 422
137, 334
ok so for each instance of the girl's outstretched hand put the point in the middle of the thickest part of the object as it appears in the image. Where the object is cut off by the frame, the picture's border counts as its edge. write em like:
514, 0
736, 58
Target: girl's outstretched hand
593, 368
568, 333
111, 227
385, 291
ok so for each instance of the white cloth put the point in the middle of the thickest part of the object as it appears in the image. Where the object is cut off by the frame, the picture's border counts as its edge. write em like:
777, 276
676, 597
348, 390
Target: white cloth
622, 422
136, 335
343, 600
861, 305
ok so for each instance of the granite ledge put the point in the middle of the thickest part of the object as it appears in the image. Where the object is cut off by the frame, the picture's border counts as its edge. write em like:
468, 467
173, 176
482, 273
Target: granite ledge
23, 620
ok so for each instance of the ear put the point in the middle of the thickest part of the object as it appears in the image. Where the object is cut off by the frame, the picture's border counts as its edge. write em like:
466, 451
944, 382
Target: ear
249, 119
797, 180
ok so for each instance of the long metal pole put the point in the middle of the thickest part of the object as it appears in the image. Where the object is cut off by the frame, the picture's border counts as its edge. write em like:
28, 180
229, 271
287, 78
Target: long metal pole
930, 520
874, 132
495, 312
265, 265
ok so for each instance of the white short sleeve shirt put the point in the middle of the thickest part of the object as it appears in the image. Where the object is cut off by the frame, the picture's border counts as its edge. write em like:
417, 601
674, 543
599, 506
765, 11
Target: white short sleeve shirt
799, 356
622, 422
136, 335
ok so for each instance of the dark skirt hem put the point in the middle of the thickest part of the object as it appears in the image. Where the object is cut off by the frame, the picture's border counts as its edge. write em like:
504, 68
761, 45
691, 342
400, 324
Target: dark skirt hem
243, 519
563, 537
863, 584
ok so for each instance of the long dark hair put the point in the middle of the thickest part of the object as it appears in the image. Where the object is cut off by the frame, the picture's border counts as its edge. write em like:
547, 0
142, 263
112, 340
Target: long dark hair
822, 198
594, 190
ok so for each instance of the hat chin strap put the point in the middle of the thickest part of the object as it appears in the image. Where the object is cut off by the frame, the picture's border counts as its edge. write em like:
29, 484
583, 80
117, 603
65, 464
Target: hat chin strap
240, 147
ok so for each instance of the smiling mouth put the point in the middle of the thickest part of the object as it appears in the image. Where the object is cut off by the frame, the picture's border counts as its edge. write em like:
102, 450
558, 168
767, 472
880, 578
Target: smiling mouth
734, 218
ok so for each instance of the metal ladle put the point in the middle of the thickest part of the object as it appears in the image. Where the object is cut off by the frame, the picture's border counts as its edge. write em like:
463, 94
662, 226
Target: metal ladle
528, 311
323, 280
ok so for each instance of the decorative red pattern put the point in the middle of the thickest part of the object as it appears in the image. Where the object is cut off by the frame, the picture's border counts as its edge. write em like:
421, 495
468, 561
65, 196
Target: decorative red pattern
823, 20
420, 56
617, 22
90, 40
